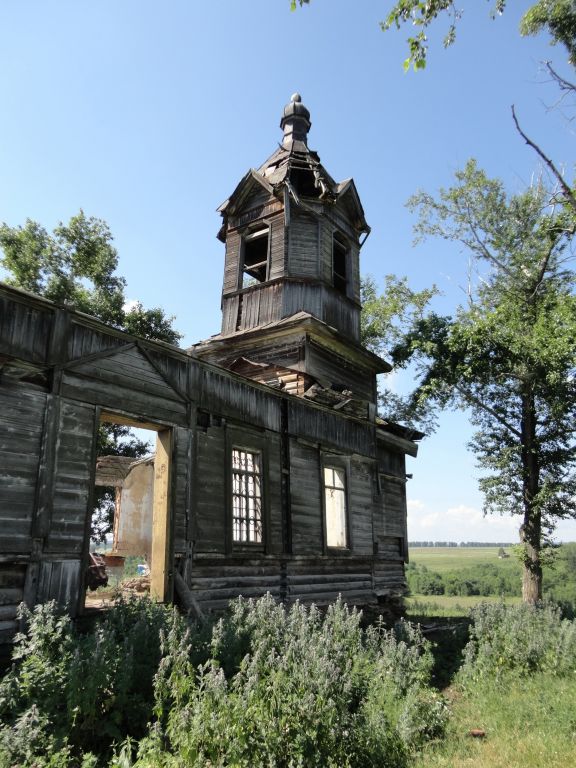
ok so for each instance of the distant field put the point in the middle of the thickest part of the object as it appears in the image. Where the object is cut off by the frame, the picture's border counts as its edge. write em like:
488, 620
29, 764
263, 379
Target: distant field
450, 605
442, 559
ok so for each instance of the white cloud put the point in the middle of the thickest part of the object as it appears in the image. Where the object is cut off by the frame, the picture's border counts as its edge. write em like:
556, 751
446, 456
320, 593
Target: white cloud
458, 523
130, 305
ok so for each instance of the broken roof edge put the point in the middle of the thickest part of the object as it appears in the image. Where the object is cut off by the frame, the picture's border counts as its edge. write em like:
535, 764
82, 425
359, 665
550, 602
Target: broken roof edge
251, 177
301, 319
398, 430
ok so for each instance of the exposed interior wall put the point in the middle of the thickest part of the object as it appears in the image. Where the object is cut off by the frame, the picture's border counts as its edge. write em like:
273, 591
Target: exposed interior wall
134, 510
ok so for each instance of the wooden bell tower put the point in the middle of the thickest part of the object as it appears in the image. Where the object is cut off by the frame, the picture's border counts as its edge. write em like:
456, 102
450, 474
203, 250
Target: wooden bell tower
291, 290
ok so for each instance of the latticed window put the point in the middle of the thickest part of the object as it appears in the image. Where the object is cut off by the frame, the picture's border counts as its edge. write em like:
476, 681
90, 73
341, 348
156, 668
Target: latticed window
335, 506
246, 497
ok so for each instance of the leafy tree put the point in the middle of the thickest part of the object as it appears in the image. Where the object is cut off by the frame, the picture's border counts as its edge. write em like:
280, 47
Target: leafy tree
557, 17
383, 322
508, 356
75, 266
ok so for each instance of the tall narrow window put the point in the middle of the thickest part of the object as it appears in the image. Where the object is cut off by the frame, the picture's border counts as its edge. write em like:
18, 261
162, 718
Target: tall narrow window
246, 497
335, 506
339, 265
255, 258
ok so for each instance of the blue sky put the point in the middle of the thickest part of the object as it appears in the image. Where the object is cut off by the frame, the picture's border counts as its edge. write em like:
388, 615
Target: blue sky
147, 114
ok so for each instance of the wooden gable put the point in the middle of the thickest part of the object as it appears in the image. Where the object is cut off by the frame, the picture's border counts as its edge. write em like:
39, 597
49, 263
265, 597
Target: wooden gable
105, 378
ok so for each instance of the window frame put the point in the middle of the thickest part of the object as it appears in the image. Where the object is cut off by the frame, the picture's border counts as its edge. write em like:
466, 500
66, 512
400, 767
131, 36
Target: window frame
341, 282
255, 232
257, 460
339, 465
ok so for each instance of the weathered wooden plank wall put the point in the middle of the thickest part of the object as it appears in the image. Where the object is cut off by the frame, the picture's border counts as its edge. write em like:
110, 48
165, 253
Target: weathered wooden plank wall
71, 485
361, 495
21, 426
277, 247
304, 242
328, 365
12, 580
47, 445
25, 329
326, 427
306, 501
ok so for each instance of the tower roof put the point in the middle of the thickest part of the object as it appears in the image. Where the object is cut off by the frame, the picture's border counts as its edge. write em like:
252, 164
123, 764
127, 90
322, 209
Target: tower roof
297, 168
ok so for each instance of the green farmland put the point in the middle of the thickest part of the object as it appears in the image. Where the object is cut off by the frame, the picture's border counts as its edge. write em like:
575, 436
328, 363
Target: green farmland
442, 559
450, 580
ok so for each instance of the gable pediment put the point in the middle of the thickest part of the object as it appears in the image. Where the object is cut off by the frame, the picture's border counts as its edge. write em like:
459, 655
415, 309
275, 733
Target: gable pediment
128, 367
253, 185
349, 200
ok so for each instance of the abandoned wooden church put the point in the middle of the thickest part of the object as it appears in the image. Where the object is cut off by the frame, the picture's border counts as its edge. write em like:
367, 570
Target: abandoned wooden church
272, 471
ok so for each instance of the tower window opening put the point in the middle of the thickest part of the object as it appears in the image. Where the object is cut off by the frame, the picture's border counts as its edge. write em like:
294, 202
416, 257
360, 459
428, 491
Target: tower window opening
339, 265
255, 258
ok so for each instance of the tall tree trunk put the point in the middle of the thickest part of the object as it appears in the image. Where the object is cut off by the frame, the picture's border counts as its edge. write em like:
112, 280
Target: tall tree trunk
531, 530
530, 534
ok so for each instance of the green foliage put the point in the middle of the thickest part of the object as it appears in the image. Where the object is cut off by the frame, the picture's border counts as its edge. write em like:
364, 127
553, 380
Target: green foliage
508, 356
487, 579
382, 322
76, 266
463, 576
518, 640
385, 315
69, 693
558, 18
421, 15
424, 582
266, 685
292, 688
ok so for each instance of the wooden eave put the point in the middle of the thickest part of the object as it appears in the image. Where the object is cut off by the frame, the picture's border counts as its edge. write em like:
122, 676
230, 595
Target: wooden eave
243, 188
307, 324
347, 188
392, 440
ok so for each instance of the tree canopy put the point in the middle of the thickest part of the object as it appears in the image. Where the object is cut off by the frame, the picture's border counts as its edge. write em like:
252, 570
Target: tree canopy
556, 17
508, 355
75, 266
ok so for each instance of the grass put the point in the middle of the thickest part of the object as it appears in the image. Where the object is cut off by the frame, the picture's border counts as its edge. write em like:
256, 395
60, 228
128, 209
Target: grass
528, 723
443, 559
444, 606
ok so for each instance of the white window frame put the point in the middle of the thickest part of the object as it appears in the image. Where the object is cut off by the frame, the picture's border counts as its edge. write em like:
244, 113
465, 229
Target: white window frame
247, 517
335, 506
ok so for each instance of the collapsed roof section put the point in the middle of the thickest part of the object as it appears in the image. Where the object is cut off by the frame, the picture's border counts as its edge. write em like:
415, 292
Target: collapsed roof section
296, 170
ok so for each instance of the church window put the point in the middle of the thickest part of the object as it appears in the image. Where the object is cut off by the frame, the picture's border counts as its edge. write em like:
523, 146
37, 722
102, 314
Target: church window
339, 265
335, 506
246, 497
255, 249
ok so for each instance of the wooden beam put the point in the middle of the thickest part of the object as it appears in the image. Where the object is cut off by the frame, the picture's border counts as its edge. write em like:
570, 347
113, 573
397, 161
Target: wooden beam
186, 597
160, 518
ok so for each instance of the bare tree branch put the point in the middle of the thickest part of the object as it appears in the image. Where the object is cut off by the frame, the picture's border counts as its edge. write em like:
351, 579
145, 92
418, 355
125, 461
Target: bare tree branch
568, 194
561, 82
472, 399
